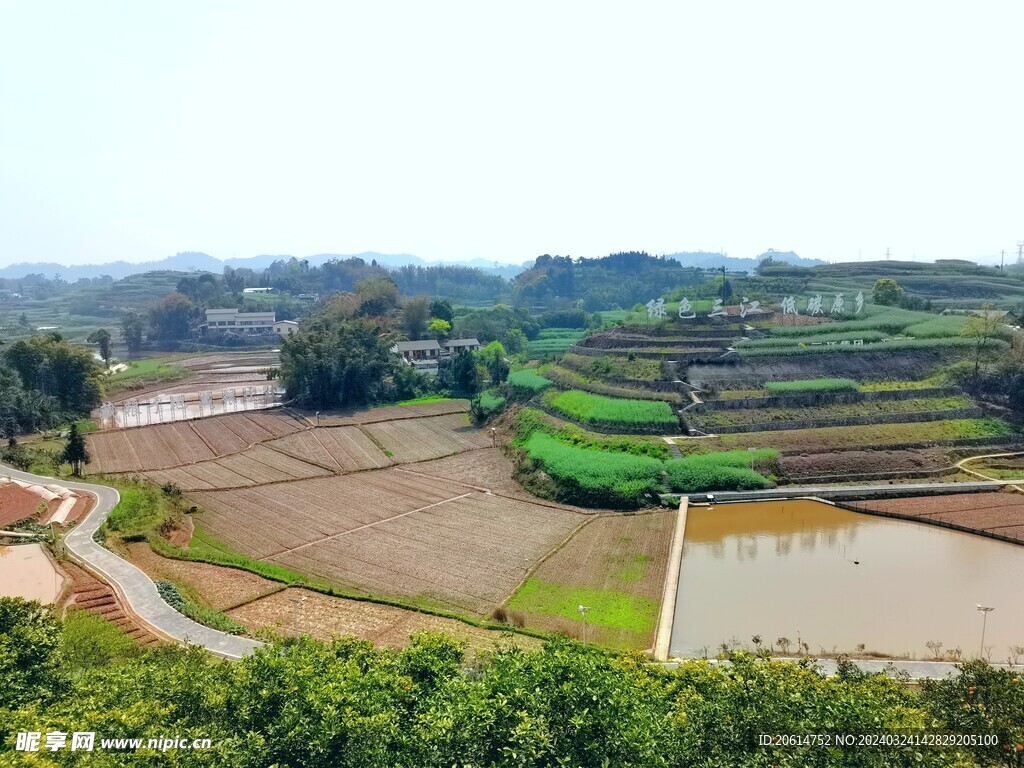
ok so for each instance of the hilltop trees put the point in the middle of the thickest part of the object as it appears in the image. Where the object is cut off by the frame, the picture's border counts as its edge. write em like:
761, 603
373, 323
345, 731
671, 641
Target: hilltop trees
886, 291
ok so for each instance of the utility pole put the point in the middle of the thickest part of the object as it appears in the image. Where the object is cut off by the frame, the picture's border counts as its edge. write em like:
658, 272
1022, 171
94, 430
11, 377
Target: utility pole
1020, 253
985, 611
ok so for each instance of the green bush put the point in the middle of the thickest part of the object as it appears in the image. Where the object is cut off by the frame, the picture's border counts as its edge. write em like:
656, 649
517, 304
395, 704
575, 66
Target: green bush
722, 471
595, 478
811, 385
614, 412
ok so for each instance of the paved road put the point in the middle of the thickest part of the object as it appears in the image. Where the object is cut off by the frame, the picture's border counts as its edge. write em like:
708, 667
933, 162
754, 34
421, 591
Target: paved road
137, 588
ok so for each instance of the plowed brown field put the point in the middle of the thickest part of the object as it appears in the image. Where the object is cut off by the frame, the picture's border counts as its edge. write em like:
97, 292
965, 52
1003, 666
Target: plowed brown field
162, 446
468, 552
1001, 513
428, 438
326, 617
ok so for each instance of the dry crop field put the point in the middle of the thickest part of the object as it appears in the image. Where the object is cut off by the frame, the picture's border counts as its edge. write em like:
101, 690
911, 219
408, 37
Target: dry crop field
427, 438
161, 446
615, 565
326, 617
391, 533
1001, 513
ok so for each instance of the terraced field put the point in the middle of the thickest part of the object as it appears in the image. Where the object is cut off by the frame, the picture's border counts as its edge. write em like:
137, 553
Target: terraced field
738, 417
826, 439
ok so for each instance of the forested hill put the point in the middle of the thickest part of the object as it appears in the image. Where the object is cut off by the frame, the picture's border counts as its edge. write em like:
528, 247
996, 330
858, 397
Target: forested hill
621, 279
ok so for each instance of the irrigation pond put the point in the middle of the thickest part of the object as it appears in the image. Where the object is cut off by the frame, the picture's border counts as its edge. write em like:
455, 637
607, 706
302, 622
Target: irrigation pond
842, 582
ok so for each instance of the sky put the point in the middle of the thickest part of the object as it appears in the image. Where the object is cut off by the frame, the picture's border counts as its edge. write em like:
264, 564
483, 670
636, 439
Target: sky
456, 130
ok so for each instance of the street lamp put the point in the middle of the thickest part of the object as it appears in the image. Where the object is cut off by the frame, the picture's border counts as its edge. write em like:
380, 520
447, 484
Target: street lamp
583, 612
297, 603
318, 418
985, 611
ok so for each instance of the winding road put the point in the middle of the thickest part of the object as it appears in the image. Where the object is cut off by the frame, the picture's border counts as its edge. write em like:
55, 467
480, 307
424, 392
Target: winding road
134, 586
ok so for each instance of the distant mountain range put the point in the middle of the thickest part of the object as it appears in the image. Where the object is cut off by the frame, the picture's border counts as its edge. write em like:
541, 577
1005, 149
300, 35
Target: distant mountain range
192, 261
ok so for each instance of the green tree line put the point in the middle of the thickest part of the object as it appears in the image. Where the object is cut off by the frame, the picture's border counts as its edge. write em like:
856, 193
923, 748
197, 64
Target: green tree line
345, 704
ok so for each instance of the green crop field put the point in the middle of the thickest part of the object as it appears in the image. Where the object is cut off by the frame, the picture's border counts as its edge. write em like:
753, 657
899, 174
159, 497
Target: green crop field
621, 413
870, 436
596, 477
811, 385
608, 608
554, 341
722, 471
573, 379
528, 379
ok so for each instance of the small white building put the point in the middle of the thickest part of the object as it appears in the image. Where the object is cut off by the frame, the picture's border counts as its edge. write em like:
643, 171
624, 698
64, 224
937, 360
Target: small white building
257, 290
231, 320
286, 328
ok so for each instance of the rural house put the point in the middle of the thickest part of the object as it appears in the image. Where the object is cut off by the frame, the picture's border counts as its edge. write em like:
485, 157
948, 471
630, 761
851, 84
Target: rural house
424, 355
286, 328
222, 320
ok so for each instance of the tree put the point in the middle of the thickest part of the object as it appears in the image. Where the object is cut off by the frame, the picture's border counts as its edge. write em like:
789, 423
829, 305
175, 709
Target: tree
981, 330
29, 663
459, 374
887, 292
171, 319
442, 310
439, 328
101, 337
378, 296
336, 362
415, 314
132, 326
493, 358
74, 452
515, 341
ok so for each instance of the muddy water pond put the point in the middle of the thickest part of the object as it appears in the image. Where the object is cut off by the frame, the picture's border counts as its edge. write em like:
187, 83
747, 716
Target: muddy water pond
836, 580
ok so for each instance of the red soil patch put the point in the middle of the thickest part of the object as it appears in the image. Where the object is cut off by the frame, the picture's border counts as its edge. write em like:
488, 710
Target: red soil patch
16, 504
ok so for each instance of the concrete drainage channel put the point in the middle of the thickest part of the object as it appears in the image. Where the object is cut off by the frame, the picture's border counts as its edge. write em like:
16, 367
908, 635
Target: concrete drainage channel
136, 588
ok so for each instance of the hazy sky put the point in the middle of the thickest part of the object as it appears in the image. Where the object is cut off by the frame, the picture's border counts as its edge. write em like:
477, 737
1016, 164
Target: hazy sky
137, 129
